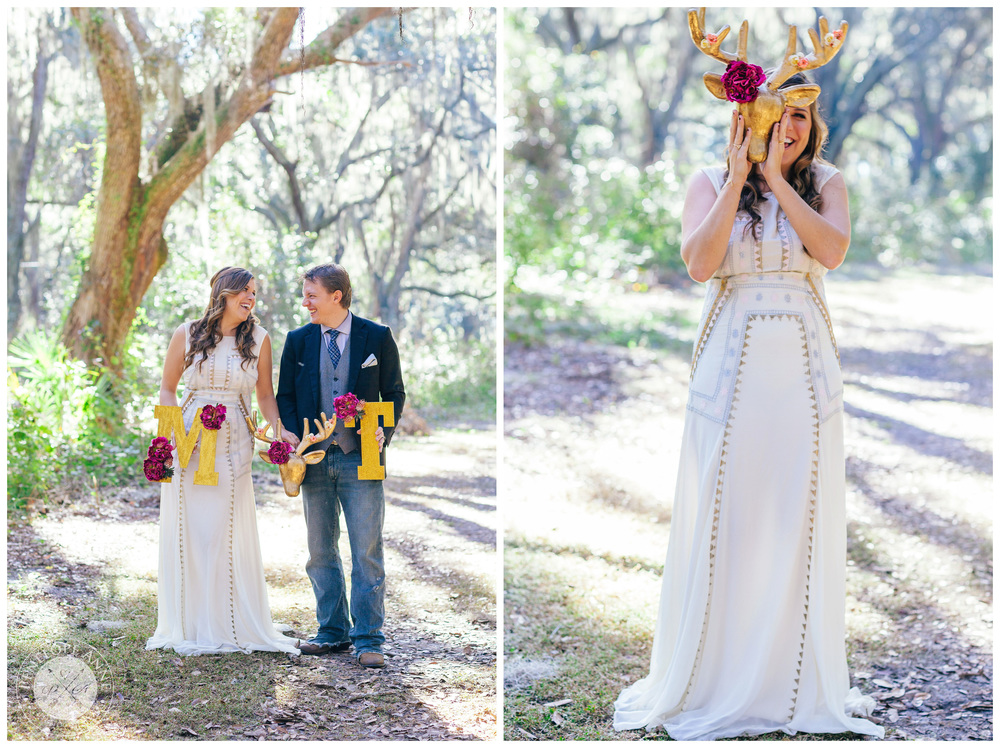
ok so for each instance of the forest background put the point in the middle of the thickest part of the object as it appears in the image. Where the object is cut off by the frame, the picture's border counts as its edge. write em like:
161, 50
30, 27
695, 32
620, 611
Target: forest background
608, 119
149, 147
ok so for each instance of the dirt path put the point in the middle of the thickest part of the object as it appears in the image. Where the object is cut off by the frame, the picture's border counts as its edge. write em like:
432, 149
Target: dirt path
594, 429
98, 560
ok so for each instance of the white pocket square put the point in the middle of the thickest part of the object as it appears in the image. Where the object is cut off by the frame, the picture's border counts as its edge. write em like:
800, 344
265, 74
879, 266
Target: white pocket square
370, 361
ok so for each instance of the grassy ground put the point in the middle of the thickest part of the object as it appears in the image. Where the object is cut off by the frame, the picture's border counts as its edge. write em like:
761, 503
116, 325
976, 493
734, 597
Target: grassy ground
91, 563
593, 429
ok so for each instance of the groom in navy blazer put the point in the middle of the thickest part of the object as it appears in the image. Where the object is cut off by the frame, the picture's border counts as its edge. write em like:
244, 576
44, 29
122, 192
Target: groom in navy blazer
335, 354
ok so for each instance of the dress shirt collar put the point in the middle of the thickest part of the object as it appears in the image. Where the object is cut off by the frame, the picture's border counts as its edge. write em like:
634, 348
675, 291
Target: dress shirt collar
344, 328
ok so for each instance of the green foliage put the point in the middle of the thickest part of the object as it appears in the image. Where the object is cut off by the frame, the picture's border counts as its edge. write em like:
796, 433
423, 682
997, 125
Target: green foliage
457, 381
616, 220
68, 424
953, 228
576, 200
601, 144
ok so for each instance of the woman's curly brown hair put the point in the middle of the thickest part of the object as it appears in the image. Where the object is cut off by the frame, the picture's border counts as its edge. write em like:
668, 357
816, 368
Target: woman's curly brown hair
801, 177
206, 332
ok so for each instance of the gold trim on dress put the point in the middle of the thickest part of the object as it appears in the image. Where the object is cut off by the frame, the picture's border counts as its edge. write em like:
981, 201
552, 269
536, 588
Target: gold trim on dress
245, 412
824, 311
716, 508
813, 487
232, 512
713, 316
188, 398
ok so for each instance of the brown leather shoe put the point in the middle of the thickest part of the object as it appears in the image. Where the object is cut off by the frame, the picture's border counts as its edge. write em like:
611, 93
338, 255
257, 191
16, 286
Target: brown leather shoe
371, 659
321, 648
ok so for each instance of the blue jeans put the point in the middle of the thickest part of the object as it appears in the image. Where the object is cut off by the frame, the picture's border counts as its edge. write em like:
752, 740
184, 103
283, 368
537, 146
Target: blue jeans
329, 486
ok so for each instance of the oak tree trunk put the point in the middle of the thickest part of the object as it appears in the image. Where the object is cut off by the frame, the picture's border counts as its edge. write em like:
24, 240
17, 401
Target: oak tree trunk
128, 245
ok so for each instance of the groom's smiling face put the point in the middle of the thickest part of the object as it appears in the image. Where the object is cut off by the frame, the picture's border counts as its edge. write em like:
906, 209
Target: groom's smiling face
324, 307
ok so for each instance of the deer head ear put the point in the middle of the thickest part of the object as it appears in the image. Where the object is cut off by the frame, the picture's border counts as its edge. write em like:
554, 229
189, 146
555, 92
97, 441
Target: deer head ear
800, 96
713, 83
264, 456
315, 456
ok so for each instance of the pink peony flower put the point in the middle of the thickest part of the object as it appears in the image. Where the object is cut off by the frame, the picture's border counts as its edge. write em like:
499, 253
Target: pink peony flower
213, 416
155, 471
160, 450
348, 406
278, 452
741, 81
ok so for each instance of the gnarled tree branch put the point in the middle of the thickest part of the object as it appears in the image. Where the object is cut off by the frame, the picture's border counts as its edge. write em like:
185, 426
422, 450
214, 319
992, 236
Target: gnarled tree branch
321, 50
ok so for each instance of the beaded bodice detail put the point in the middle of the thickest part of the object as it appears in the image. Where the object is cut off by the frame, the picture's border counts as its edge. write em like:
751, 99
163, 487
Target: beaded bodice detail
222, 374
776, 248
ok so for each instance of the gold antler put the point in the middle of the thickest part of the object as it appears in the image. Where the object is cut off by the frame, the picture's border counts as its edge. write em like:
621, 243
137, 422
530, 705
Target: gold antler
711, 44
826, 45
262, 434
323, 428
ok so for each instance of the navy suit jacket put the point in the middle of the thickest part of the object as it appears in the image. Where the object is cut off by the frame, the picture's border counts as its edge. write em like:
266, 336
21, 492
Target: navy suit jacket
298, 379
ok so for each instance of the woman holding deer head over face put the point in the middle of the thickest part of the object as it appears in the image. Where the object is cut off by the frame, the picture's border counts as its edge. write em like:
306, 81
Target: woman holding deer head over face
750, 634
211, 592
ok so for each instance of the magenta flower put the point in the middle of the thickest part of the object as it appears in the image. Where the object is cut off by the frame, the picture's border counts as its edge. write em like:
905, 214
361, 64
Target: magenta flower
348, 406
159, 458
278, 452
155, 471
741, 81
213, 416
160, 450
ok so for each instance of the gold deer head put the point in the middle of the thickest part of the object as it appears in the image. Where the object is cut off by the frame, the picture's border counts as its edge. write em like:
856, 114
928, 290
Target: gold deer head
766, 109
293, 472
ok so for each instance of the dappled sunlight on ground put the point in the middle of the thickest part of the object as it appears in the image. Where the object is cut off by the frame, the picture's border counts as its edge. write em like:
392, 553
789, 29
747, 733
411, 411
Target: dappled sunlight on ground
605, 485
131, 550
441, 563
588, 494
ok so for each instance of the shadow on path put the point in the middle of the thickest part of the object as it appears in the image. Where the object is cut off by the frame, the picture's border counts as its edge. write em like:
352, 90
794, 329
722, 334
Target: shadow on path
927, 442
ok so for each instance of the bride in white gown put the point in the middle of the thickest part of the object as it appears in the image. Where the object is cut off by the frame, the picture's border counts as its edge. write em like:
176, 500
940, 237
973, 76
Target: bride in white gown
211, 592
750, 634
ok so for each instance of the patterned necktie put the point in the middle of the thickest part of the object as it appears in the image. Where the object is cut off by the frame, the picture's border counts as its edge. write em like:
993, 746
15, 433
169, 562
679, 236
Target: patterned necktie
333, 348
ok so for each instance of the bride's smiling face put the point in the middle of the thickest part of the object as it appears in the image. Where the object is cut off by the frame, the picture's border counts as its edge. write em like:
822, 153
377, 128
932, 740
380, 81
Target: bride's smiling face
240, 305
796, 134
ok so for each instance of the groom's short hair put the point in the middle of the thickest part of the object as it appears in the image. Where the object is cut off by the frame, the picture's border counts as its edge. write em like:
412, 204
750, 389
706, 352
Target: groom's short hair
333, 277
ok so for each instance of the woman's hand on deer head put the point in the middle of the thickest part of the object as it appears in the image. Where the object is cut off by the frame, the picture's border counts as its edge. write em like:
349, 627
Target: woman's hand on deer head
771, 168
736, 156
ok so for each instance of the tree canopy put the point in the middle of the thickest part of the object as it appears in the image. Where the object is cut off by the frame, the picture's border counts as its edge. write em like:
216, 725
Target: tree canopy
609, 118
150, 147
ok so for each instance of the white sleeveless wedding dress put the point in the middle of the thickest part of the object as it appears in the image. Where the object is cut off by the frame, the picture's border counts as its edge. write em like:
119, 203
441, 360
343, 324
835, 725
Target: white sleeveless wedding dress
750, 634
211, 592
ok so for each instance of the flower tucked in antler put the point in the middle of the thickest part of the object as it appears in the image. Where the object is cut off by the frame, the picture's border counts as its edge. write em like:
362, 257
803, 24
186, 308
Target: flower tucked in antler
293, 468
741, 81
278, 452
762, 103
